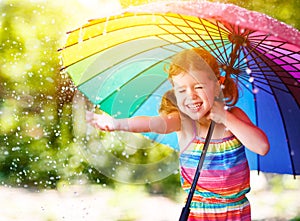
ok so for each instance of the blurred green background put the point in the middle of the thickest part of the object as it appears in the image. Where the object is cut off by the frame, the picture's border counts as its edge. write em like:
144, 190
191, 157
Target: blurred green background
38, 148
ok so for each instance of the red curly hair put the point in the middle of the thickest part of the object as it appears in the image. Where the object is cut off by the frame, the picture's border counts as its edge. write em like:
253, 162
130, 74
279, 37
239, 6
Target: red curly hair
188, 61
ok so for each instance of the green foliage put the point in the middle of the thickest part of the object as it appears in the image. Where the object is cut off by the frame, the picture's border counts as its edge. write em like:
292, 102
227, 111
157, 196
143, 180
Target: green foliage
35, 100
286, 11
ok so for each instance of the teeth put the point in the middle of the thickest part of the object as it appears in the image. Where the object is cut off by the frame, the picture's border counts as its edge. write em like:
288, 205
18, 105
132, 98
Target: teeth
194, 106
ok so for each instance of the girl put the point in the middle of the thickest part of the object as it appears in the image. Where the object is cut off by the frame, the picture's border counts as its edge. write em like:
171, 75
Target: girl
188, 110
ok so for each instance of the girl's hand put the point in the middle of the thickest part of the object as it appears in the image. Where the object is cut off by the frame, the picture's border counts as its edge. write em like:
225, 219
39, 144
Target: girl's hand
100, 121
218, 113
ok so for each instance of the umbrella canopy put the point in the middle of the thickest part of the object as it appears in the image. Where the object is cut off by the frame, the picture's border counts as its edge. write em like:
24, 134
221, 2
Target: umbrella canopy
118, 63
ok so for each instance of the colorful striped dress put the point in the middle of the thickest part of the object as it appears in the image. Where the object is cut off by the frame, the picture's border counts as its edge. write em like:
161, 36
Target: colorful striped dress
223, 182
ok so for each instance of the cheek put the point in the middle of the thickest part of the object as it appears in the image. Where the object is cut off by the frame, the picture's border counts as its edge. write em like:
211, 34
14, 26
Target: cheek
208, 96
179, 100
211, 99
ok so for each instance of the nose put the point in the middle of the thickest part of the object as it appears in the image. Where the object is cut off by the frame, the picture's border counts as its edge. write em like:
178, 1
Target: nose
192, 93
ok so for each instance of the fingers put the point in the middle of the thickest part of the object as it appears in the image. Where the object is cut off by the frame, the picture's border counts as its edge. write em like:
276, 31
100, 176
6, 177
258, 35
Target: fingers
89, 116
217, 112
100, 121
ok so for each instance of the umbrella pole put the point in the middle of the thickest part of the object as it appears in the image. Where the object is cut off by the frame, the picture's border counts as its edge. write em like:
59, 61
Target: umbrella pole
186, 209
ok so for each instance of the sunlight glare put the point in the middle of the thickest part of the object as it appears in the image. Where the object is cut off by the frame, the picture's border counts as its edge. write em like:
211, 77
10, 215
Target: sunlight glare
101, 8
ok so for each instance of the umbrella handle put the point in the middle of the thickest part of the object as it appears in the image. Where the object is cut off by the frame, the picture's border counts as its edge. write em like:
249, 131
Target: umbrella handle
186, 209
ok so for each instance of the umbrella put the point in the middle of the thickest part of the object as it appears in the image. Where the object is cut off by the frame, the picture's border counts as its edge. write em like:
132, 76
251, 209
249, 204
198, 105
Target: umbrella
118, 62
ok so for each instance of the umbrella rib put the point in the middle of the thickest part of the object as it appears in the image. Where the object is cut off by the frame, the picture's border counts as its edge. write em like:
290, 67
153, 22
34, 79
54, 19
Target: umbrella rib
278, 46
146, 99
271, 88
254, 59
288, 89
141, 52
264, 83
165, 17
273, 81
252, 49
108, 49
152, 48
274, 71
181, 31
283, 122
132, 40
272, 66
289, 55
245, 86
254, 85
131, 79
218, 31
211, 49
101, 21
222, 41
256, 72
266, 49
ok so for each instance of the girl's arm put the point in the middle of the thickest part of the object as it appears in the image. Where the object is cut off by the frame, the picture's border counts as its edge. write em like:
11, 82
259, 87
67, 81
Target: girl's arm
241, 126
158, 124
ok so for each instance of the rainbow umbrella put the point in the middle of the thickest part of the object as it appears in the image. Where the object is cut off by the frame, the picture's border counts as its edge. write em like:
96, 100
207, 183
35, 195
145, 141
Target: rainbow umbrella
118, 63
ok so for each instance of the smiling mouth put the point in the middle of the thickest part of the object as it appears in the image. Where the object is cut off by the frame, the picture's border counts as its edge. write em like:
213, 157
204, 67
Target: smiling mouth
195, 106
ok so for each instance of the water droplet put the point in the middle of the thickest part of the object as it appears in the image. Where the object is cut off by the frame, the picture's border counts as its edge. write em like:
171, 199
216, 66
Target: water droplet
255, 90
248, 71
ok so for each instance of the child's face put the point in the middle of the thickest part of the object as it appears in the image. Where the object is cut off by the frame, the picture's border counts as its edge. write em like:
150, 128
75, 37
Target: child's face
195, 93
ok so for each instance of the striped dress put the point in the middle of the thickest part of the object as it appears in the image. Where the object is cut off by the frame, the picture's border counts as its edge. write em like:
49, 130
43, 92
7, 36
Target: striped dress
223, 182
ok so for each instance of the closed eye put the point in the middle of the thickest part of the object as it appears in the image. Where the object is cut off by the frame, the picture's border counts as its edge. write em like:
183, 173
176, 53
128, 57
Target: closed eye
180, 89
199, 87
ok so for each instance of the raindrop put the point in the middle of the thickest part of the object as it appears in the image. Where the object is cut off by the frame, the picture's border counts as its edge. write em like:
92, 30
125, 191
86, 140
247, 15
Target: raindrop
255, 90
251, 79
15, 148
248, 71
49, 79
80, 37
